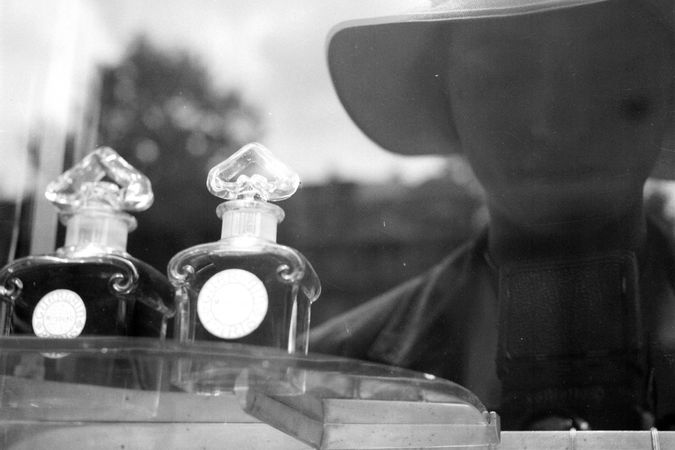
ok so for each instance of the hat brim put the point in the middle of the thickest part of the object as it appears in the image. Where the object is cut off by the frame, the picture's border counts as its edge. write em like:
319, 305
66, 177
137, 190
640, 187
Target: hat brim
389, 80
384, 75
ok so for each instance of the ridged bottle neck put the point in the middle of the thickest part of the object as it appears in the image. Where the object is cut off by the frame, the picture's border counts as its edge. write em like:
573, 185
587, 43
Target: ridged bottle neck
249, 218
96, 231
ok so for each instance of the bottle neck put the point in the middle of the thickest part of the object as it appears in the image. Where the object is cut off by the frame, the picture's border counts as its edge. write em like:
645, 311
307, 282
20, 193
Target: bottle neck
249, 218
96, 231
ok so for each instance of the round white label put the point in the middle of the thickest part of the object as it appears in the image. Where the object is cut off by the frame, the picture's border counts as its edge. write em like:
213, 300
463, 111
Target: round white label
59, 314
232, 304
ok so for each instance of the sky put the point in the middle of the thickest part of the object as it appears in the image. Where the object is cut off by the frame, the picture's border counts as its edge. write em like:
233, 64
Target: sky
273, 51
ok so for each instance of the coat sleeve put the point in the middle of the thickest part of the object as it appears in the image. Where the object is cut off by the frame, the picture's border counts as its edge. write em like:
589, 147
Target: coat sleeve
354, 332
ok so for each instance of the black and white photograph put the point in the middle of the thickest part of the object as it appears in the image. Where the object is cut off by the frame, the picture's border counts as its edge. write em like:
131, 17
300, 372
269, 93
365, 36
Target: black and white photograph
337, 224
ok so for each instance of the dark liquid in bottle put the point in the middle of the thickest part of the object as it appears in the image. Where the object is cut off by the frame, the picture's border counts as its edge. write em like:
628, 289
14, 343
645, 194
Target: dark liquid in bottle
108, 313
145, 311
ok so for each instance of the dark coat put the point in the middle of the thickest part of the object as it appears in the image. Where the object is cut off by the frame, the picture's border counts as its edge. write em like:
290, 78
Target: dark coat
446, 322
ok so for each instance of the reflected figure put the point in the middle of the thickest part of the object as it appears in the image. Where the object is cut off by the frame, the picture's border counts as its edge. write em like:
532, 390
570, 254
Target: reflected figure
562, 314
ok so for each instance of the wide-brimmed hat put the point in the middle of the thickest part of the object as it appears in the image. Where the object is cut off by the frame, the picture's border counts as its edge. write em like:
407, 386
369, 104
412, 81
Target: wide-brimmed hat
385, 72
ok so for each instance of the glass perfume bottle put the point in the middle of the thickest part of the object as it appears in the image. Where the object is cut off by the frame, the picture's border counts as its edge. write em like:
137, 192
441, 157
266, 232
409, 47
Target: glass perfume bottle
246, 288
90, 285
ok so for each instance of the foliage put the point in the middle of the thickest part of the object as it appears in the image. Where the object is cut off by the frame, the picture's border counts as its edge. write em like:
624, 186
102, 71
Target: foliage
162, 112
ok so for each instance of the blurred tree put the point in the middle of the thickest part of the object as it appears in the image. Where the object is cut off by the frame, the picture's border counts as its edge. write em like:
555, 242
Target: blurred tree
162, 113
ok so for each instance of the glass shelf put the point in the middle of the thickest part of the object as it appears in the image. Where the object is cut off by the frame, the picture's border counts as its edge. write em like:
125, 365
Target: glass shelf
144, 393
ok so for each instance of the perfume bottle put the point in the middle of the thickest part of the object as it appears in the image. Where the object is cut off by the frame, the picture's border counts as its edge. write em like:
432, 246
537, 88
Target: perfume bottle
90, 285
246, 288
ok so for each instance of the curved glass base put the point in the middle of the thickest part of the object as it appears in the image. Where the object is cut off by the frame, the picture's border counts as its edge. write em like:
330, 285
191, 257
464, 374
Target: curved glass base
275, 401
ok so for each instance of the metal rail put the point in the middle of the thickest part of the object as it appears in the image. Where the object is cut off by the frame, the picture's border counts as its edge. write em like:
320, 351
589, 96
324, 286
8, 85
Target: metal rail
588, 440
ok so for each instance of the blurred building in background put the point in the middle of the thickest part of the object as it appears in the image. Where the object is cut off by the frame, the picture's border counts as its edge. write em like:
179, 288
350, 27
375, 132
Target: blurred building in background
161, 111
67, 87
365, 239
